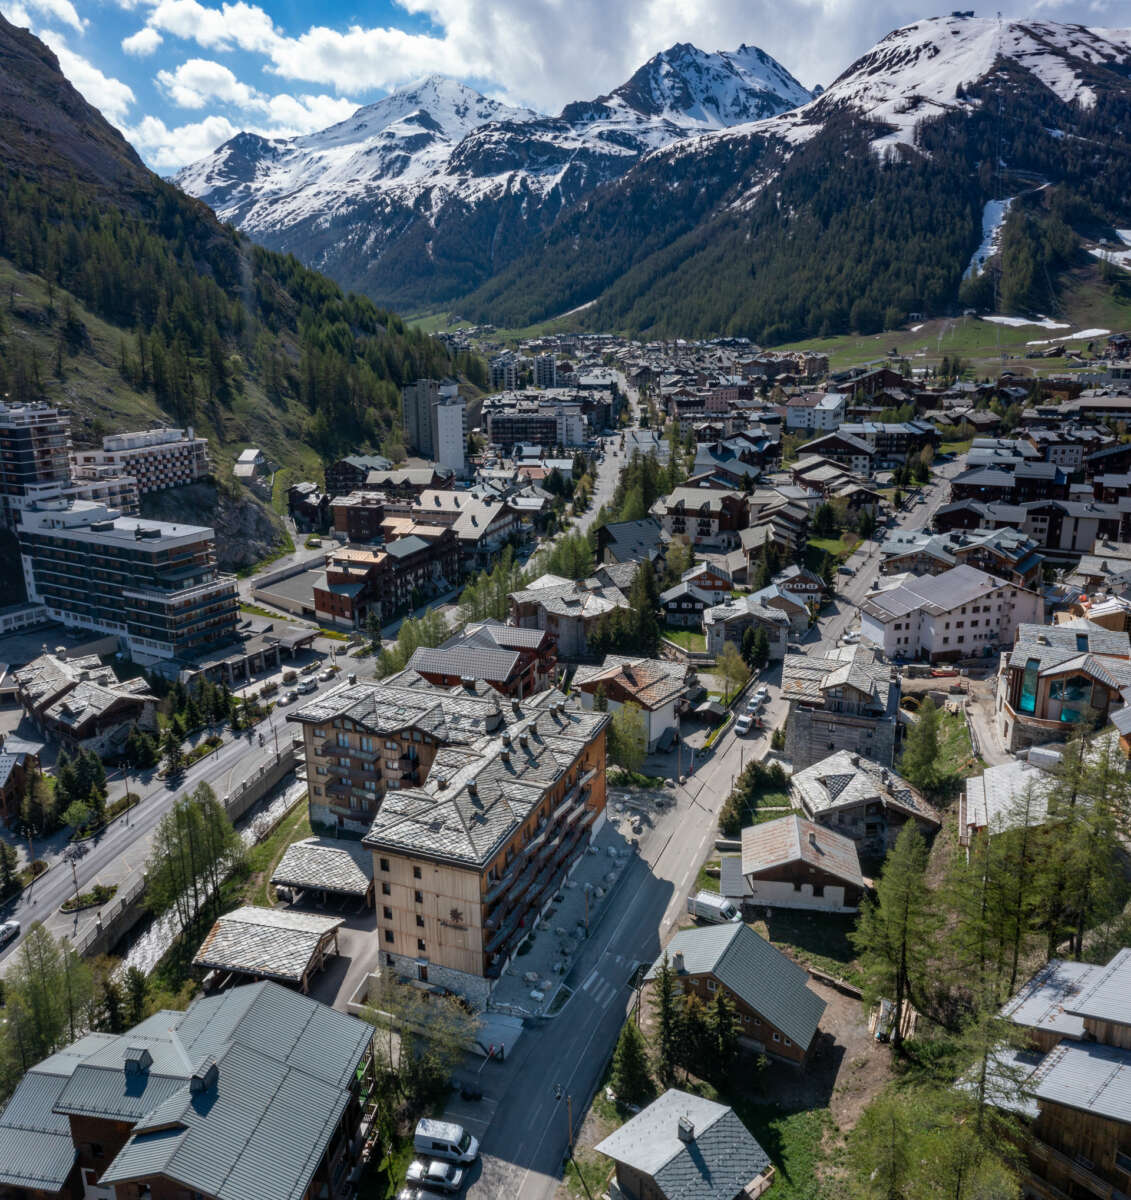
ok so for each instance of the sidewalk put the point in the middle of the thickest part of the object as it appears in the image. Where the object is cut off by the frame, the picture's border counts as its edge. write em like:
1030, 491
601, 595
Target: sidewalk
530, 984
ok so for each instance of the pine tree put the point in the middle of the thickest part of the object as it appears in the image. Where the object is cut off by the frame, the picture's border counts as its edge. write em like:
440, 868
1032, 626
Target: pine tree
723, 1029
894, 933
630, 1080
669, 1030
919, 762
171, 752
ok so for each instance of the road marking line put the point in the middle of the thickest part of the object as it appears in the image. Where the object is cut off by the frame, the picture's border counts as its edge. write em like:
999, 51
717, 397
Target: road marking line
592, 976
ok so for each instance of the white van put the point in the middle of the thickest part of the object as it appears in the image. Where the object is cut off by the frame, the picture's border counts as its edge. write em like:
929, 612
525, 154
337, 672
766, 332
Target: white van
710, 906
444, 1139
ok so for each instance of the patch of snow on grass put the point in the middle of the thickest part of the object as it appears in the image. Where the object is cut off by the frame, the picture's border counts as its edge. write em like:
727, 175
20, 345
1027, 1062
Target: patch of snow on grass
1016, 322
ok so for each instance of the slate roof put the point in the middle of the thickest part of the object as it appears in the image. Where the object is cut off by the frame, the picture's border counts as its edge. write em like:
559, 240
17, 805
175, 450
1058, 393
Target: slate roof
326, 864
844, 780
276, 942
760, 975
479, 792
652, 683
629, 541
471, 662
806, 678
994, 799
686, 588
1052, 645
794, 839
718, 1164
1089, 1076
504, 637
1044, 1002
934, 594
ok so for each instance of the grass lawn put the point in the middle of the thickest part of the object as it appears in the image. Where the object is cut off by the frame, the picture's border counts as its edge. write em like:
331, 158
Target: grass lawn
955, 447
818, 939
838, 548
793, 1142
956, 760
264, 858
689, 639
705, 882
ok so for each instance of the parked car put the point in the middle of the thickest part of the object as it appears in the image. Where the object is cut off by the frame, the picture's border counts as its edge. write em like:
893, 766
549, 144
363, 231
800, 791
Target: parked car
744, 724
762, 693
710, 906
329, 673
754, 704
289, 696
8, 930
850, 638
434, 1174
843, 569
413, 1193
308, 685
444, 1139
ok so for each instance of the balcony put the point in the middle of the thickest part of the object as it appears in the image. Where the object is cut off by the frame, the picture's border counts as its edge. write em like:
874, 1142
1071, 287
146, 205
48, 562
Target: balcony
1080, 1174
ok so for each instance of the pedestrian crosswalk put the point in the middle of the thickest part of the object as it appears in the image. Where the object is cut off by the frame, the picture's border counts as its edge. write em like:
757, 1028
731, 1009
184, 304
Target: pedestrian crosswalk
600, 989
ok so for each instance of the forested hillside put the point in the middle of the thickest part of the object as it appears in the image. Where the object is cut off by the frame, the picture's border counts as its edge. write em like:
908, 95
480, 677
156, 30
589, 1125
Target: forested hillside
127, 300
747, 233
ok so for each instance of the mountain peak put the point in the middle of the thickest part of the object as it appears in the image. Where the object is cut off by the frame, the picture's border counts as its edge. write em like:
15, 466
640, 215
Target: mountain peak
712, 90
923, 69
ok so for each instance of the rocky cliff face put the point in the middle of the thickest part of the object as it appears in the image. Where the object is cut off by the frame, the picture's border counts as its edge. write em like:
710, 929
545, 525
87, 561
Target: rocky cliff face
246, 529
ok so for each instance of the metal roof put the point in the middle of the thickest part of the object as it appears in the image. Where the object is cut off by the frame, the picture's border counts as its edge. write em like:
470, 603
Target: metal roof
1086, 1075
759, 974
471, 662
718, 1162
1106, 996
1044, 1002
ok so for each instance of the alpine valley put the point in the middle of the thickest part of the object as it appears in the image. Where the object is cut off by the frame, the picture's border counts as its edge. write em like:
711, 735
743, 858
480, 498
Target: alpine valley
711, 194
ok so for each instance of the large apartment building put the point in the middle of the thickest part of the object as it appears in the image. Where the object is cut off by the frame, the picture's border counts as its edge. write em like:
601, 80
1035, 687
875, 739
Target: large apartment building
418, 402
157, 458
36, 465
475, 807
152, 584
535, 418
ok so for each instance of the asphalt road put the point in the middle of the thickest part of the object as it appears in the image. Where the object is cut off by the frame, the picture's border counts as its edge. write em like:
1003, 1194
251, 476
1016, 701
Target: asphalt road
128, 837
525, 1145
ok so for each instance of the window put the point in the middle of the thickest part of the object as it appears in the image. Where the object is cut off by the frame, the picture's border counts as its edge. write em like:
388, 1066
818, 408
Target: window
384, 864
777, 1037
418, 897
419, 921
388, 912
386, 890
788, 1042
420, 945
711, 985
96, 1150
818, 890
416, 873
390, 936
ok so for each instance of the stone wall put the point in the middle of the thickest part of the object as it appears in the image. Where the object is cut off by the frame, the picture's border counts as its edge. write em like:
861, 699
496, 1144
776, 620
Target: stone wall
813, 734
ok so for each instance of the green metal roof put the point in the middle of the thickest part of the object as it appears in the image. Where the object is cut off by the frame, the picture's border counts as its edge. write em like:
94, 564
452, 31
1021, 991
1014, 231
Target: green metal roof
760, 975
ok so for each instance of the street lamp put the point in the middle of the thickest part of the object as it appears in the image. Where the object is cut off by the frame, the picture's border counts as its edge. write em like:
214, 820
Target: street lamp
72, 854
559, 1092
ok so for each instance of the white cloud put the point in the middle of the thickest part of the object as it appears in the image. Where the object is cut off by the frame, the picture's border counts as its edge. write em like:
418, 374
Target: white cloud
306, 114
167, 149
195, 82
111, 96
243, 26
142, 43
62, 11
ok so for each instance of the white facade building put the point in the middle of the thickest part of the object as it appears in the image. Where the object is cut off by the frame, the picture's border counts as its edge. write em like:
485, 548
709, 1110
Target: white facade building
156, 458
961, 613
546, 370
449, 433
823, 416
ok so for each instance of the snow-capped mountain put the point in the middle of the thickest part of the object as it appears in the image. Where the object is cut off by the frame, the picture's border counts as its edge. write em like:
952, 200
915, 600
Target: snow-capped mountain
924, 70
426, 193
863, 204
263, 184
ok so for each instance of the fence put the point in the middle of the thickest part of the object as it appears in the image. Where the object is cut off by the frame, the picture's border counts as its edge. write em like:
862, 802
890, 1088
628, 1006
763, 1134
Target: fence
114, 919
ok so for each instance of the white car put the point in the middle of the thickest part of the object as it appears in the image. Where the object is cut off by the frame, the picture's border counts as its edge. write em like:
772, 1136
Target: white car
851, 639
762, 692
434, 1174
8, 930
744, 724
753, 704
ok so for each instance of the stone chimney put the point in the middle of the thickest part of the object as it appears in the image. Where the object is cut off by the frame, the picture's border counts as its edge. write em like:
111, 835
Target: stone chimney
677, 962
686, 1130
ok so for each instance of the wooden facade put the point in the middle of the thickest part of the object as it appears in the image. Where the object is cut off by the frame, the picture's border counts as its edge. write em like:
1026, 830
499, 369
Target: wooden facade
757, 1033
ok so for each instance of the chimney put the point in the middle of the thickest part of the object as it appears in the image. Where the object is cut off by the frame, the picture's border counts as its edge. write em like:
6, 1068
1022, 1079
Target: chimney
677, 962
856, 760
686, 1130
204, 1076
813, 837
884, 777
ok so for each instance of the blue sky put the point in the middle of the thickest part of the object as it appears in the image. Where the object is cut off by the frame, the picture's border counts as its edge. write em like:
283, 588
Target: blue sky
179, 77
